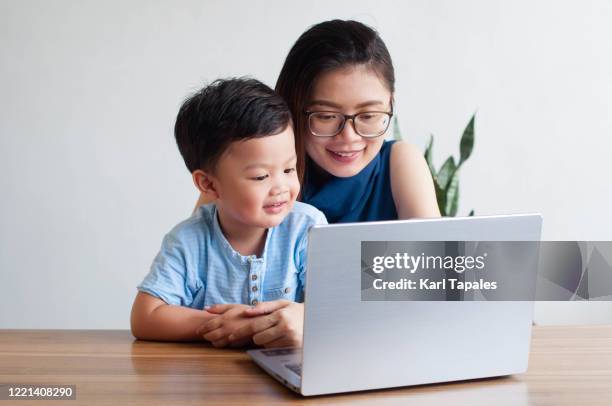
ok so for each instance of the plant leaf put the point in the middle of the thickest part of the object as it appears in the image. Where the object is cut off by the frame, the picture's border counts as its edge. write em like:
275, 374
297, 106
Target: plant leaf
428, 156
440, 197
397, 135
447, 171
452, 195
467, 141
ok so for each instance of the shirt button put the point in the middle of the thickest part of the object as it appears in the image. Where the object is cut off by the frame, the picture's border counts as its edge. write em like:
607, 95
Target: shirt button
254, 302
254, 277
287, 290
254, 288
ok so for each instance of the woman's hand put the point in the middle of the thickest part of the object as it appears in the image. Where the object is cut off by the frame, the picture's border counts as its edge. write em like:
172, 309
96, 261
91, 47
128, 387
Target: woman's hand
230, 318
278, 323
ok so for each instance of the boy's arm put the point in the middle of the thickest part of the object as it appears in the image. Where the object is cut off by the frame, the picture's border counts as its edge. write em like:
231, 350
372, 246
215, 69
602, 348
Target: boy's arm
153, 319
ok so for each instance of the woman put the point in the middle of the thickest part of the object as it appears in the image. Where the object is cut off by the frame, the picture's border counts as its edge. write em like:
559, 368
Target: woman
338, 80
335, 70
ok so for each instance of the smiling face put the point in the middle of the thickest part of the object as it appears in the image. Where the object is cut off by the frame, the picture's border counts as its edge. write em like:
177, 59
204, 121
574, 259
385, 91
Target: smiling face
350, 90
256, 181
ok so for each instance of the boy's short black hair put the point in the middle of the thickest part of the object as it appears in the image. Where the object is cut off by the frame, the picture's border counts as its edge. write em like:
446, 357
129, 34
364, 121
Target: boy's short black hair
225, 111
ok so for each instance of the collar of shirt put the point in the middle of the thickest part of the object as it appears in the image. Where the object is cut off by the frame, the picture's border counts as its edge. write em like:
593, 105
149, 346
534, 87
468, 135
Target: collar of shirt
227, 248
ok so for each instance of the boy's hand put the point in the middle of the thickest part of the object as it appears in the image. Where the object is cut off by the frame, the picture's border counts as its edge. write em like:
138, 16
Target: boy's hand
278, 323
230, 318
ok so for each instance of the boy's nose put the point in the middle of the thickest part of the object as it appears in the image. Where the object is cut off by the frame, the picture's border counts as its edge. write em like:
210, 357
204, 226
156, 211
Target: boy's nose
278, 190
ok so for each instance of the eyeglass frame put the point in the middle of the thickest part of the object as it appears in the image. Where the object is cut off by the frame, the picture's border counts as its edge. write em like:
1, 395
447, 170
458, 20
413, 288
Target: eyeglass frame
347, 117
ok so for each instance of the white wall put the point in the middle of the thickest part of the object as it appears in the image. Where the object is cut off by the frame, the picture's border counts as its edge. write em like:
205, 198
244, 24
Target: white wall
91, 178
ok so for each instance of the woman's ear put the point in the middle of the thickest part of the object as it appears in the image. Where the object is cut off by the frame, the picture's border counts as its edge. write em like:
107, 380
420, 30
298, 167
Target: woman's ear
205, 183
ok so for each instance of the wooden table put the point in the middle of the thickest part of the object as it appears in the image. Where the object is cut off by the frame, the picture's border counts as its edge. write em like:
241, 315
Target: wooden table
568, 366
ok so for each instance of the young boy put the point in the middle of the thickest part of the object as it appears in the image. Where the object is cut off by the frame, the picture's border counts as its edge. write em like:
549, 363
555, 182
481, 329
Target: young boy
246, 247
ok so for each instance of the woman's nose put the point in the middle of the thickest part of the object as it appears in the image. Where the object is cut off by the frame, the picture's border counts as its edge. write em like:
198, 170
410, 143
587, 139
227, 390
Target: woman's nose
348, 133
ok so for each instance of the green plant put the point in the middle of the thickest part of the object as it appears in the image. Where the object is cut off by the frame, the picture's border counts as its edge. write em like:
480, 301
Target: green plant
446, 180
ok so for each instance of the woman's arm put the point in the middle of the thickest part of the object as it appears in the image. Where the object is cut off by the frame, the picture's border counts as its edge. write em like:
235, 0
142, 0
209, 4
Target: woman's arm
411, 183
153, 319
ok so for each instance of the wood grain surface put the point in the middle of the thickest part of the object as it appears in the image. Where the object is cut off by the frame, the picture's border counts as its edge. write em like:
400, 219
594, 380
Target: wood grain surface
568, 366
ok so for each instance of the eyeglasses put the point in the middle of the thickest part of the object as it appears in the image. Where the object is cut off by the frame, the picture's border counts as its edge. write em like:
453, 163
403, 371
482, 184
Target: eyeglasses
368, 124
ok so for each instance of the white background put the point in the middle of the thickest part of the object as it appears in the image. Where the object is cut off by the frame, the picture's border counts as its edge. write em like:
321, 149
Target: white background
91, 178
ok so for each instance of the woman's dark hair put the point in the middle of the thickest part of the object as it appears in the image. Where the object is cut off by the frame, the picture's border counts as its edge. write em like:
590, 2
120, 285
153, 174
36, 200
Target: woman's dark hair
322, 48
225, 111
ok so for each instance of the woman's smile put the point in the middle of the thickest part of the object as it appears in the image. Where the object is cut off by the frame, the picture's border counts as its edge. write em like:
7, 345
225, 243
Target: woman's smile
345, 156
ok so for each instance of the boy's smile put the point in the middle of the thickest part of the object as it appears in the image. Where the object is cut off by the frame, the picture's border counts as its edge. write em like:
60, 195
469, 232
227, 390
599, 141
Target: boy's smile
275, 208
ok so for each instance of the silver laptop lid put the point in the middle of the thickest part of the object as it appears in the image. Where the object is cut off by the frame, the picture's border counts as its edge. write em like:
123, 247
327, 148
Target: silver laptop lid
351, 345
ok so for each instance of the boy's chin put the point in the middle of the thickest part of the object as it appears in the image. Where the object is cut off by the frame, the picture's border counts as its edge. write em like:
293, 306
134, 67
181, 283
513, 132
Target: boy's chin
269, 221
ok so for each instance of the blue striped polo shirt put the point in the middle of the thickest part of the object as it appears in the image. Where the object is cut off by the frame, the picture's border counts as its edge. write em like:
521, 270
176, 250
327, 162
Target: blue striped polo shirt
197, 267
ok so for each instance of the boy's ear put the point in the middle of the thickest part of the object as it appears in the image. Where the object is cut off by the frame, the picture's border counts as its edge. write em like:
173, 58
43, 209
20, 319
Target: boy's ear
204, 181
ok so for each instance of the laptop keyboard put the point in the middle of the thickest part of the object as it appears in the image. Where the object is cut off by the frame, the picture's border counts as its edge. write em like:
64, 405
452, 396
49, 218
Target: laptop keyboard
280, 352
295, 368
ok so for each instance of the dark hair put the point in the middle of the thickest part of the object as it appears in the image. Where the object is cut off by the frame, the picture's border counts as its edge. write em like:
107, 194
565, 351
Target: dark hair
227, 110
322, 48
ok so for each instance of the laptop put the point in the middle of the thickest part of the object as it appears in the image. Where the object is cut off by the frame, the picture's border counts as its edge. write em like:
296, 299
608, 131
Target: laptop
354, 345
